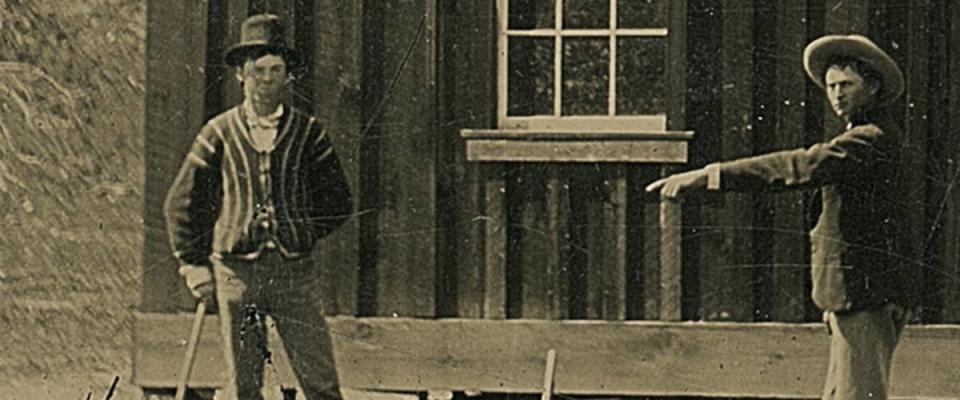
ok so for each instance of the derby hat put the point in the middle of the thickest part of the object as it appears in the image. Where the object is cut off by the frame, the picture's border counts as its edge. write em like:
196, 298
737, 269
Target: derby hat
820, 51
263, 32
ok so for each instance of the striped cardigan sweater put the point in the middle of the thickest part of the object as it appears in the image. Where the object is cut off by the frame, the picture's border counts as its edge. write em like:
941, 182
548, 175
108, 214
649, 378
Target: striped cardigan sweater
231, 201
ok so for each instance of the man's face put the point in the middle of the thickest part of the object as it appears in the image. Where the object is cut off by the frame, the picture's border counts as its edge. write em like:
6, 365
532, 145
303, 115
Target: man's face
847, 91
264, 80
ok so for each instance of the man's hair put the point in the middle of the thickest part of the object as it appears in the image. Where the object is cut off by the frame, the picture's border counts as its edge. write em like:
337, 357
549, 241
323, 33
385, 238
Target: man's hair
255, 54
294, 70
859, 66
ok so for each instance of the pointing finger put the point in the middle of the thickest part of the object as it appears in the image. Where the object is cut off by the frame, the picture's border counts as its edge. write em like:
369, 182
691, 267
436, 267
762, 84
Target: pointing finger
656, 185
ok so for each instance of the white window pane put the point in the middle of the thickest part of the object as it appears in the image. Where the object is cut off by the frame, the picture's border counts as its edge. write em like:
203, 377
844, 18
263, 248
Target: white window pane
641, 80
585, 76
586, 14
531, 14
530, 76
642, 13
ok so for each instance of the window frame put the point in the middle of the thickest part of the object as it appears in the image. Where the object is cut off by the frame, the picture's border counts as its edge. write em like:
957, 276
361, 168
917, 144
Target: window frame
557, 121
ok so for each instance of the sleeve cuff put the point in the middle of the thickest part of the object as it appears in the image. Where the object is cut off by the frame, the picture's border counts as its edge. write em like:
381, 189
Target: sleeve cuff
713, 176
185, 269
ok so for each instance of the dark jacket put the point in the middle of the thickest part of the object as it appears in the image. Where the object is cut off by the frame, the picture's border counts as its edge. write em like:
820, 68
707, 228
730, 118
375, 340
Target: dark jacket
231, 201
858, 253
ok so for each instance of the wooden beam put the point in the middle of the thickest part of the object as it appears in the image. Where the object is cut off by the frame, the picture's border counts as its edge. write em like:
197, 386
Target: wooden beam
665, 151
594, 357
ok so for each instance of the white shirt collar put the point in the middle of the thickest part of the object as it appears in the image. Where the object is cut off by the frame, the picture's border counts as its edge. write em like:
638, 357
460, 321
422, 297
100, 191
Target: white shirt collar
267, 121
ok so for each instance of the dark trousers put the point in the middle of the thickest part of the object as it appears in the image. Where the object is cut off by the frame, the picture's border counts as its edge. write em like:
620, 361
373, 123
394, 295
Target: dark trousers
288, 291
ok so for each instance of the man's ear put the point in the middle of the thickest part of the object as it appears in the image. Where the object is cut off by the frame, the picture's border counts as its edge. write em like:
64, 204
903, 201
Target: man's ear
238, 73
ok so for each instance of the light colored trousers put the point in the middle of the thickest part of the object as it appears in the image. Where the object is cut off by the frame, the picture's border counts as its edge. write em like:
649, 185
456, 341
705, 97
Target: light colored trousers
861, 351
290, 292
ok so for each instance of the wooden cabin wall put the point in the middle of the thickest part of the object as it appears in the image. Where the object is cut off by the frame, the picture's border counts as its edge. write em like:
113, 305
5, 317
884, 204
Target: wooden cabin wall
437, 236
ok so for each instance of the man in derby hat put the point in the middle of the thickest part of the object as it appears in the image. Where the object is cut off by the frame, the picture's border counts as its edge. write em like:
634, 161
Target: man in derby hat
857, 252
259, 187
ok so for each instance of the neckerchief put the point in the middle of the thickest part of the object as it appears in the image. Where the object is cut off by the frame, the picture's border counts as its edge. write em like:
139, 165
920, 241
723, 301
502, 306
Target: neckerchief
263, 129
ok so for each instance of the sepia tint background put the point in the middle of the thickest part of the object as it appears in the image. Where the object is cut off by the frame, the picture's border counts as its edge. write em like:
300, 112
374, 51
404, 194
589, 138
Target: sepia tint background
437, 235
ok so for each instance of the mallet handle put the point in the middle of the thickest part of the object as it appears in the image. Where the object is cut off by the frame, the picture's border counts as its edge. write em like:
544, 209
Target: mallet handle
191, 350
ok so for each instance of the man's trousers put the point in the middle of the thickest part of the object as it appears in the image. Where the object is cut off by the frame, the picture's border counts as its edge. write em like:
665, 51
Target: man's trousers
861, 351
290, 292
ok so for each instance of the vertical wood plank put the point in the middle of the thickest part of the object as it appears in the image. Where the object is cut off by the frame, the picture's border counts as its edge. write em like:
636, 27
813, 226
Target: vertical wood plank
372, 93
726, 285
845, 16
286, 10
495, 244
468, 89
650, 210
917, 69
298, 18
789, 235
765, 87
670, 264
951, 260
175, 59
557, 254
939, 164
527, 241
336, 75
703, 102
816, 111
676, 71
537, 244
232, 14
407, 220
606, 240
671, 213
452, 227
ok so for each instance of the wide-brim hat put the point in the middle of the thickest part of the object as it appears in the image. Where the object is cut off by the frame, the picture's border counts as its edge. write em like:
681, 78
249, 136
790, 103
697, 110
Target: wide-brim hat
263, 32
820, 51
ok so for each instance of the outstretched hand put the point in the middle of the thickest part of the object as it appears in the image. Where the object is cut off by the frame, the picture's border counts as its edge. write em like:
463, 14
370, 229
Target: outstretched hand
671, 186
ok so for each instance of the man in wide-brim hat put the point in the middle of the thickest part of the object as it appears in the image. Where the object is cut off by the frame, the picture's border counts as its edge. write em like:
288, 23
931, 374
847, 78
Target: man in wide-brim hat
858, 257
259, 187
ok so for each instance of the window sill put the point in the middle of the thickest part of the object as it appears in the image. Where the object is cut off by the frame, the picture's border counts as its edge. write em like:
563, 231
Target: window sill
502, 145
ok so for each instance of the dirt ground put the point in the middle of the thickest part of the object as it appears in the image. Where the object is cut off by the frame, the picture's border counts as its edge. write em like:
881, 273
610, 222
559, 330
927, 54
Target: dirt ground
71, 195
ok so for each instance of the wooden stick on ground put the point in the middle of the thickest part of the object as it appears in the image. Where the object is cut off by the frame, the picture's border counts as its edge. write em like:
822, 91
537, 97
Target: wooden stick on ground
548, 375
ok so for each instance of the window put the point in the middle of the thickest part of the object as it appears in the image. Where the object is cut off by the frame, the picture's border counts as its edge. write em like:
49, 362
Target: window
582, 65
586, 81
